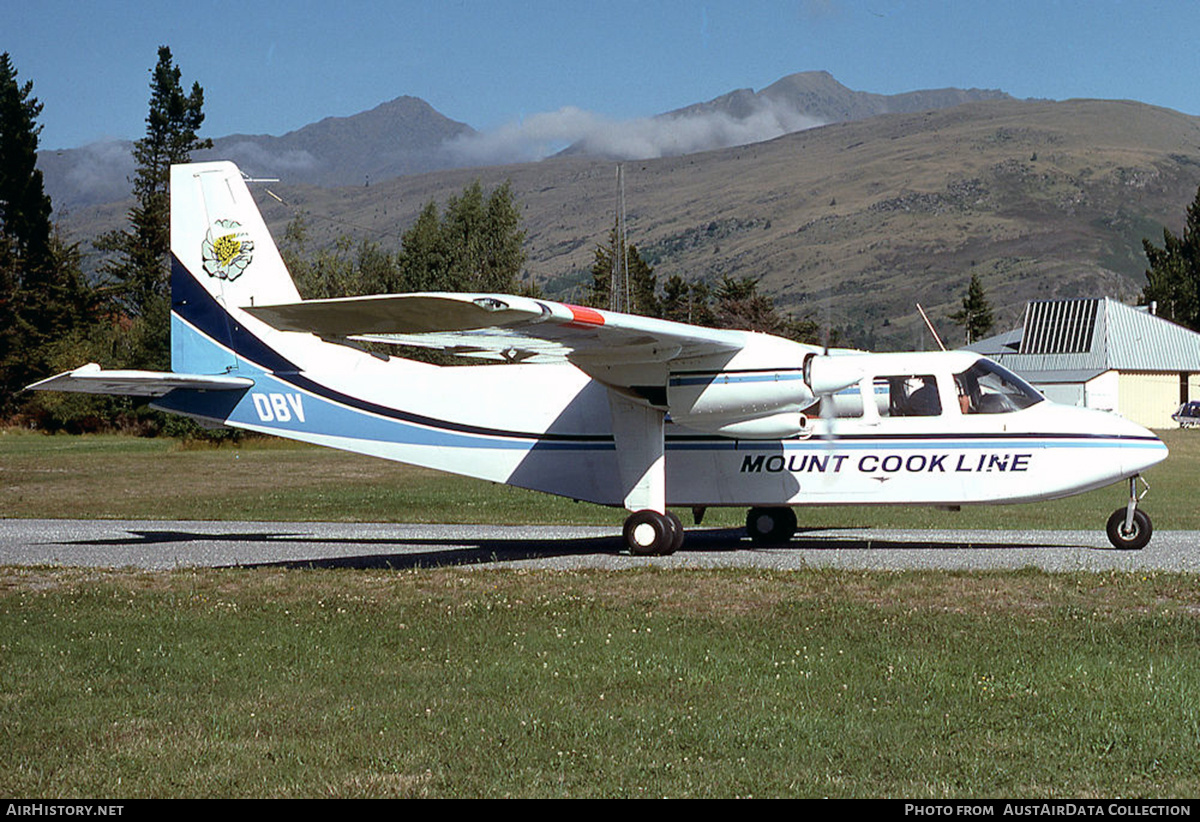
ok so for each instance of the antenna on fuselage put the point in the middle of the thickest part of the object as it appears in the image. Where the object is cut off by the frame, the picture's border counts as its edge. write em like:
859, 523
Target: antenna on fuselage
932, 330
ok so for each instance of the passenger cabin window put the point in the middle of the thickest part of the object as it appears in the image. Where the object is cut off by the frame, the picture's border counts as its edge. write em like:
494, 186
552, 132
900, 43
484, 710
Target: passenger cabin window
909, 395
989, 388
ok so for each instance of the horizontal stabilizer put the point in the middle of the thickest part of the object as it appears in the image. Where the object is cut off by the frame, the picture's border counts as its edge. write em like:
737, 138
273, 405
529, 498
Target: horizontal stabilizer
92, 379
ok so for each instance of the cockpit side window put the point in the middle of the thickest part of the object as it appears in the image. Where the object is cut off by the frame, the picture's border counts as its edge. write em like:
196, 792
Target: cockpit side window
908, 395
989, 388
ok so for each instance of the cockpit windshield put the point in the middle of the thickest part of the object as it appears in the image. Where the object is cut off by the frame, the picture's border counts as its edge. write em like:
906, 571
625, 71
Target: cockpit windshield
989, 388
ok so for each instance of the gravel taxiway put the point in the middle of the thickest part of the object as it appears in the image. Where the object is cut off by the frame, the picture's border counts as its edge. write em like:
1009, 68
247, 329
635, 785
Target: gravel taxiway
159, 545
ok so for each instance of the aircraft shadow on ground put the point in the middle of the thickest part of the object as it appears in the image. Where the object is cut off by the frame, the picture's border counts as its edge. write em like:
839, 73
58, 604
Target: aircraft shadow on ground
433, 552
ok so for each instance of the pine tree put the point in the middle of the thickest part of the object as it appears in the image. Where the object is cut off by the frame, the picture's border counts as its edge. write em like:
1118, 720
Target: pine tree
137, 272
676, 300
600, 289
24, 210
1173, 279
43, 295
739, 305
476, 245
503, 243
423, 260
975, 316
686, 302
24, 206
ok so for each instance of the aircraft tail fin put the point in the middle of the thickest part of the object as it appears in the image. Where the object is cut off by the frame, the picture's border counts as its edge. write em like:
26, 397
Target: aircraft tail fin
222, 259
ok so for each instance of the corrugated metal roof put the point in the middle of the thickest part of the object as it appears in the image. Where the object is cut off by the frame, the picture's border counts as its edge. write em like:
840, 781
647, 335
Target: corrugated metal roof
1119, 337
1059, 327
1139, 341
1005, 343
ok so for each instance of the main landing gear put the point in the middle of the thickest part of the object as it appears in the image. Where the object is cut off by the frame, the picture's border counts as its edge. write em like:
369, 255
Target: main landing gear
1129, 528
649, 533
771, 526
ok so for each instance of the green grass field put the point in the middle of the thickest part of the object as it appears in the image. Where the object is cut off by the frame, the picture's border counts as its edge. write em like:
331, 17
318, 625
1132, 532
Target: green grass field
268, 479
453, 683
458, 682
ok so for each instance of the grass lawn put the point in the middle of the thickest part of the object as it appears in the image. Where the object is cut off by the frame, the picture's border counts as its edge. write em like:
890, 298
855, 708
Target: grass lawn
700, 683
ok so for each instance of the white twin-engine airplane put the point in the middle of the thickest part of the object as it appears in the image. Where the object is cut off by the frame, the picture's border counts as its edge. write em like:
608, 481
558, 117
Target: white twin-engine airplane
600, 406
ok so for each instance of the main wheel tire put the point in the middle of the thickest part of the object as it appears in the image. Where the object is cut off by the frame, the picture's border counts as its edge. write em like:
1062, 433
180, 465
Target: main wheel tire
677, 533
649, 533
1134, 539
771, 526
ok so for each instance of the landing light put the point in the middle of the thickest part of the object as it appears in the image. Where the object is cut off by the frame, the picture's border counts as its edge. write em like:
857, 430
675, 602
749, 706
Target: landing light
490, 304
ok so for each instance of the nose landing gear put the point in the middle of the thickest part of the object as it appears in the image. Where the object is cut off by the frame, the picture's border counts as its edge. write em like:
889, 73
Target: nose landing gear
1129, 528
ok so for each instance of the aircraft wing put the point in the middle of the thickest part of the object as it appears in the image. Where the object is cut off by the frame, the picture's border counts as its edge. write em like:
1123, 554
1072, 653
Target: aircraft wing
91, 379
502, 327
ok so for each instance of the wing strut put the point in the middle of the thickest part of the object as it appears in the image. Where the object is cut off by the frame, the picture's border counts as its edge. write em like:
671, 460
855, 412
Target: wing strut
638, 431
638, 434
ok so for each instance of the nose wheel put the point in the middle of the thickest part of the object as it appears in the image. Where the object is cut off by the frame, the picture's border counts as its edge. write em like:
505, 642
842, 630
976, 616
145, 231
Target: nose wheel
1129, 528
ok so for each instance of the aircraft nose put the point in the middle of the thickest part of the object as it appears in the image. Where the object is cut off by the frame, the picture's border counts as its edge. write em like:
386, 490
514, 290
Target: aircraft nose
1142, 449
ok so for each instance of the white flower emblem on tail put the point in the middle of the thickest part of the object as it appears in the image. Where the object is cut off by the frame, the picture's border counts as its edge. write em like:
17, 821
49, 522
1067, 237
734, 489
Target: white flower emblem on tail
227, 251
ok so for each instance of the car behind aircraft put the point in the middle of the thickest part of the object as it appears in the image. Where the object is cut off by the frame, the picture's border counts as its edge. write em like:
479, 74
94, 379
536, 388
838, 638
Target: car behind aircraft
601, 406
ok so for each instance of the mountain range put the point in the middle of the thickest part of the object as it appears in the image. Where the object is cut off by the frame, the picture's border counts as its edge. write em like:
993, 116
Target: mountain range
817, 95
876, 204
408, 136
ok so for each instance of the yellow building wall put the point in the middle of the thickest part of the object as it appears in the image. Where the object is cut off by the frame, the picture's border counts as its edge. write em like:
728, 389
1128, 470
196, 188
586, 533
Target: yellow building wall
1150, 399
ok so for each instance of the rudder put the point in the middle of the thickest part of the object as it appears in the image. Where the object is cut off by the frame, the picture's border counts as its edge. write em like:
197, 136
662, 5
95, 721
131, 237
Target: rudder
222, 258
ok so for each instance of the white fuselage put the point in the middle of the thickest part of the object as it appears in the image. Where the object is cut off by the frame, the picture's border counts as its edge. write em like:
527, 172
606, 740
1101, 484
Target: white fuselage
548, 427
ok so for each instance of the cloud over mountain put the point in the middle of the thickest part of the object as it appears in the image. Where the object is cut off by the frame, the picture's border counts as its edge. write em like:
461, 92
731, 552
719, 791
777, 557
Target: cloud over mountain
793, 103
577, 131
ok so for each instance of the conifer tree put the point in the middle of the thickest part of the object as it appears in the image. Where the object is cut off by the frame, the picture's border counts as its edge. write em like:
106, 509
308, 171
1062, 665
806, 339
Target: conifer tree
739, 305
137, 272
24, 205
975, 316
1173, 279
42, 290
476, 245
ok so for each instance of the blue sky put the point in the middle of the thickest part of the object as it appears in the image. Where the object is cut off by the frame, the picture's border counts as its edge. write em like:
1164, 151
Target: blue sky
271, 67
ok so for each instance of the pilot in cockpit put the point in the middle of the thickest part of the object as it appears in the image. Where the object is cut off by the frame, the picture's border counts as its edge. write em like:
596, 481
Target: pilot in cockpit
964, 395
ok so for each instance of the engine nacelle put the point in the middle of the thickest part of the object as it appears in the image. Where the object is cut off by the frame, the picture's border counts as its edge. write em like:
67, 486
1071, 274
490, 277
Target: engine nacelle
827, 375
751, 396
757, 404
770, 427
